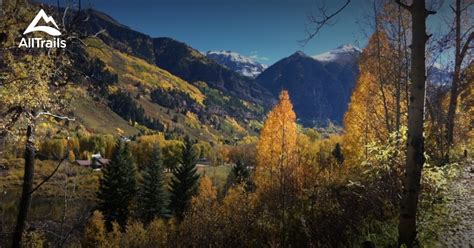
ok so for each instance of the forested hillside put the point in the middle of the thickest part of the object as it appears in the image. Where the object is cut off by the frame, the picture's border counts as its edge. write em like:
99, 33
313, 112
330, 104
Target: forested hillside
123, 140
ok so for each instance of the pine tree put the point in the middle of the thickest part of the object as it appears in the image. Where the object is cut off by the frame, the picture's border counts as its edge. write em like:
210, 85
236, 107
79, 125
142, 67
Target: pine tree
183, 185
118, 186
152, 195
337, 154
239, 174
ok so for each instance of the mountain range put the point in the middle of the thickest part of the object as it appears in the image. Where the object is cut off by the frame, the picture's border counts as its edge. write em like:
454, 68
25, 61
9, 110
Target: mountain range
245, 66
320, 86
167, 85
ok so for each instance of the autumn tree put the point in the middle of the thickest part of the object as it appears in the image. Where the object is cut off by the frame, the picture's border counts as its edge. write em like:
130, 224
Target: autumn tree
183, 184
135, 235
32, 89
463, 37
464, 129
395, 23
144, 145
278, 176
199, 226
118, 186
277, 145
376, 107
152, 197
95, 231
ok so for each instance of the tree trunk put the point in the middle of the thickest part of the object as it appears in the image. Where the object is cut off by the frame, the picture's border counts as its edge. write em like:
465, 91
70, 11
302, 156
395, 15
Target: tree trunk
456, 78
27, 187
415, 144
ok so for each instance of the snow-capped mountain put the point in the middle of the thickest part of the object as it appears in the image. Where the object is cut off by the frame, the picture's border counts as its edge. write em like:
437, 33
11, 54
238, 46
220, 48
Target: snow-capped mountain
320, 90
244, 65
342, 54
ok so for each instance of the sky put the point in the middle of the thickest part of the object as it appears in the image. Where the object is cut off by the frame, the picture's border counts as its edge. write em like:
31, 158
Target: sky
267, 30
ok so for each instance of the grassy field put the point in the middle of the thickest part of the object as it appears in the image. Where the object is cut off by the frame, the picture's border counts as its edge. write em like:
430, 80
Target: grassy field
218, 174
99, 118
75, 181
78, 182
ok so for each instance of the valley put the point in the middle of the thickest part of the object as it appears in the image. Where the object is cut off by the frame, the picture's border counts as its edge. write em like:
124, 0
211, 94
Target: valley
159, 134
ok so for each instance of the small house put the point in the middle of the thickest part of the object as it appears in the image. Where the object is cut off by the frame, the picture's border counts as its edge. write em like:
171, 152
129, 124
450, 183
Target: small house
96, 162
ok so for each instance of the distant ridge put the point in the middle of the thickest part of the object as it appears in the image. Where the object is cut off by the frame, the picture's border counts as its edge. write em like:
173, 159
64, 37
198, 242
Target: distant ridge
320, 86
243, 65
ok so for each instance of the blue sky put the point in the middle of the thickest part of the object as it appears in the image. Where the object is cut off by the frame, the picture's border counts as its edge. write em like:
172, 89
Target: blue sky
268, 30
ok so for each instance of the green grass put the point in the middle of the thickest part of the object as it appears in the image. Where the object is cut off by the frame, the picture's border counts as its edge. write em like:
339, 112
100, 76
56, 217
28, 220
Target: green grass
218, 174
84, 180
99, 118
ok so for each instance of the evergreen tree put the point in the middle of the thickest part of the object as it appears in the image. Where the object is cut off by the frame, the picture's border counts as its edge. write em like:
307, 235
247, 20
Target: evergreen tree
239, 175
117, 186
337, 154
184, 183
152, 195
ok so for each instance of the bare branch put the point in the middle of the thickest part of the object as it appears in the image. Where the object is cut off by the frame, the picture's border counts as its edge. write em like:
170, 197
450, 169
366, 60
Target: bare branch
467, 46
452, 8
48, 177
55, 116
322, 20
430, 12
467, 6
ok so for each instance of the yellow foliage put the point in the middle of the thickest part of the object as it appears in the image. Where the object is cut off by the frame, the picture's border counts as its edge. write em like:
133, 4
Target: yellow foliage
207, 194
71, 157
158, 233
234, 124
372, 115
202, 217
131, 70
114, 237
192, 120
135, 235
34, 239
463, 130
276, 148
95, 233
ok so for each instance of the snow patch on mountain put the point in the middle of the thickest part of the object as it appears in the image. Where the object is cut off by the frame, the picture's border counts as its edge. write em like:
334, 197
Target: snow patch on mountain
342, 54
246, 66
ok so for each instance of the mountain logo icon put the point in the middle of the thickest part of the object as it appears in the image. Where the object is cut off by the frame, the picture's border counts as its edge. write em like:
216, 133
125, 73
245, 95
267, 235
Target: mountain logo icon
47, 29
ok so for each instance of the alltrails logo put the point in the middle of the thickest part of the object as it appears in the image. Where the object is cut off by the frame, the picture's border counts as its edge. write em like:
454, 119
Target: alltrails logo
40, 42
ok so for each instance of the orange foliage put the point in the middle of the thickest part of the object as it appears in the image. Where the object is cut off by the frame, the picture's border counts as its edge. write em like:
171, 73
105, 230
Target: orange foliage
372, 114
276, 148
